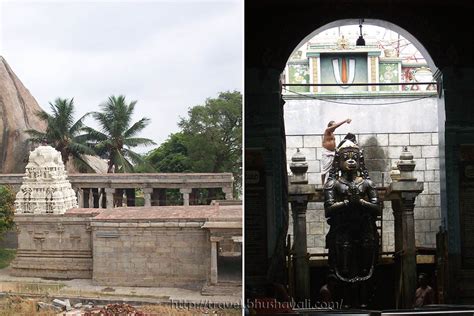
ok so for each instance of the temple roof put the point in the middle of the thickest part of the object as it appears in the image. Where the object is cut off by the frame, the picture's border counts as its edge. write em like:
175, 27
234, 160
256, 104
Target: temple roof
159, 213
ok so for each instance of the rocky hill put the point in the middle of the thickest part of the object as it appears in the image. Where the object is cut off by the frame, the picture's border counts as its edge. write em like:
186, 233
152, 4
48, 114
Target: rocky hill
17, 114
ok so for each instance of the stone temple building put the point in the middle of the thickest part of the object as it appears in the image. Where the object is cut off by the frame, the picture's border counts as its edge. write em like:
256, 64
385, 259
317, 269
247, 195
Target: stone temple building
161, 246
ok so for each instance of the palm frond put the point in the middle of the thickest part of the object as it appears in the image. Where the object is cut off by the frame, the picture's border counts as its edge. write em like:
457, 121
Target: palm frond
137, 141
134, 157
34, 134
121, 163
42, 115
94, 135
137, 127
76, 127
79, 148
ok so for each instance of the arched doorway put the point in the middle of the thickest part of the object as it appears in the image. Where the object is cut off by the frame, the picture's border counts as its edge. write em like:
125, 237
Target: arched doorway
391, 111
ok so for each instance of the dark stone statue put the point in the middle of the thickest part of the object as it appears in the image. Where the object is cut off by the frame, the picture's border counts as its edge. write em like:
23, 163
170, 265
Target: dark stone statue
351, 206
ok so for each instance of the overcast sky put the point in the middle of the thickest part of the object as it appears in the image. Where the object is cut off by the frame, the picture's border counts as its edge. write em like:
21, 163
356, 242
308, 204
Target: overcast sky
168, 55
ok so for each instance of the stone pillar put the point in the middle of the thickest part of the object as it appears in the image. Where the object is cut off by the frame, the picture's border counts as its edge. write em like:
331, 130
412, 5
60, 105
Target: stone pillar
185, 192
403, 194
91, 198
80, 198
229, 193
101, 197
301, 260
124, 198
147, 192
109, 197
214, 241
299, 194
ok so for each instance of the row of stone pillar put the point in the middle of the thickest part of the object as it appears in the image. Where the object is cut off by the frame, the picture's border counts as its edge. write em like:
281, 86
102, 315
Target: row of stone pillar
109, 197
147, 195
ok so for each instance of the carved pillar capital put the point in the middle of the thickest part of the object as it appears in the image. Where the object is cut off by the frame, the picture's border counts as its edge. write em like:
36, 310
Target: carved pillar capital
298, 167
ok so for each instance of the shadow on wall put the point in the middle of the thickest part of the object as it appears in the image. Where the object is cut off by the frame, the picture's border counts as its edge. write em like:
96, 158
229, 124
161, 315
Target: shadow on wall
376, 161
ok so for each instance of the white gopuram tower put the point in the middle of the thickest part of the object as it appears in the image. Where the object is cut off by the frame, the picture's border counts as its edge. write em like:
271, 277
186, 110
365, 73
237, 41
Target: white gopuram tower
45, 187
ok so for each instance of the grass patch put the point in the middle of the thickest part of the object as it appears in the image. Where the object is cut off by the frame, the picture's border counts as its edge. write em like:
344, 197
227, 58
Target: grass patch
6, 256
16, 305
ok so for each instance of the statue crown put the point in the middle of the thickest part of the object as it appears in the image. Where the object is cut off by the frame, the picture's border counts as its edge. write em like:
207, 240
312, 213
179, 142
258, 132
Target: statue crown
348, 145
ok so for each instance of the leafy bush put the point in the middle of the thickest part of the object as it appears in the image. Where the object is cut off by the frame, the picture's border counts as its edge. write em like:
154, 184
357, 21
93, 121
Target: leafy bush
7, 207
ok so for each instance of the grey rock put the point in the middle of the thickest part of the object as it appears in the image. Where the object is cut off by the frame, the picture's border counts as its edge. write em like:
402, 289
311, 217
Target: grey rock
46, 306
18, 108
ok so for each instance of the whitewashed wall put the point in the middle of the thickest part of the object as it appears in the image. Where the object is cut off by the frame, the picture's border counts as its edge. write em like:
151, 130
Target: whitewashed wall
382, 144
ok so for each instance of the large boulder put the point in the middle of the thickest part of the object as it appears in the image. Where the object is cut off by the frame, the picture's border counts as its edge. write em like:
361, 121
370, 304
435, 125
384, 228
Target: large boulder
17, 112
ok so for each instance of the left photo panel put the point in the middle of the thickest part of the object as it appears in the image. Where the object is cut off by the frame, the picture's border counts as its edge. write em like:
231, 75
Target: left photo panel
121, 157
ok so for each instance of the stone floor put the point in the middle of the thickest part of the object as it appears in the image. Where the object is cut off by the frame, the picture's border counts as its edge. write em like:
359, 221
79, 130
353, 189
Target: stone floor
83, 288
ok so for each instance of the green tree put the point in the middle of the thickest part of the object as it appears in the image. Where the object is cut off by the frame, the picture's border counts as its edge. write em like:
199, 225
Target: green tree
63, 133
213, 135
118, 134
7, 202
210, 140
171, 156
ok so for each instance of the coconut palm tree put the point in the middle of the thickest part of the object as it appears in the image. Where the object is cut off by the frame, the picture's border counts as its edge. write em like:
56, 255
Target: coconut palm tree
118, 134
63, 133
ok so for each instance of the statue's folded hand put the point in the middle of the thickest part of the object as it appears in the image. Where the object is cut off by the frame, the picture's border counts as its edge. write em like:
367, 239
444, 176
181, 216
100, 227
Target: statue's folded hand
372, 208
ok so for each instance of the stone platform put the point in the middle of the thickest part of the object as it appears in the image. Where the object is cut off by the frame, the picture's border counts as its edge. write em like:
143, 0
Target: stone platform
54, 246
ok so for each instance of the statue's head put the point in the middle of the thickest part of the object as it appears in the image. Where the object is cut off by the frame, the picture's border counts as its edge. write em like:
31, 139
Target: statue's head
349, 156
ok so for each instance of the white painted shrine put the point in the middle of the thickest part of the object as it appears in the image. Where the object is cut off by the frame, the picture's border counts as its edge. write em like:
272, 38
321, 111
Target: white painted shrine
45, 187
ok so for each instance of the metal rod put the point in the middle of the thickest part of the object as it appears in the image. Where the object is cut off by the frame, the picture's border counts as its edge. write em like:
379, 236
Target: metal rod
352, 84
325, 254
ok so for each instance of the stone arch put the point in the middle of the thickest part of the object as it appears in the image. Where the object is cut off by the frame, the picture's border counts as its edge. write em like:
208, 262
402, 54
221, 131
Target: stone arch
376, 22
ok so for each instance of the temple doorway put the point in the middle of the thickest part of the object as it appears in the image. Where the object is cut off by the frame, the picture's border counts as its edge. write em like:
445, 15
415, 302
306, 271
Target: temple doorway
387, 89
229, 260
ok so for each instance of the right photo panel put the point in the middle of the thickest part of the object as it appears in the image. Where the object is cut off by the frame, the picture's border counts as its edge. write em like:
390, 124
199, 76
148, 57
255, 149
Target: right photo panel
359, 159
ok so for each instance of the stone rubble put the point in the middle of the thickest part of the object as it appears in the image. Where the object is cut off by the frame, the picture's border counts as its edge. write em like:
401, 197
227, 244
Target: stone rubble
42, 306
115, 309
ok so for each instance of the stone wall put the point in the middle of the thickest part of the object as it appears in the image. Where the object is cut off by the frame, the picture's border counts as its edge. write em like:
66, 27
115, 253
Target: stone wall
381, 151
165, 246
54, 246
140, 253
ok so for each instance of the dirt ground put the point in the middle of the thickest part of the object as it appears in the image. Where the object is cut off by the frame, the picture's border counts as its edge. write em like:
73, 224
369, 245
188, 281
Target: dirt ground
16, 305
